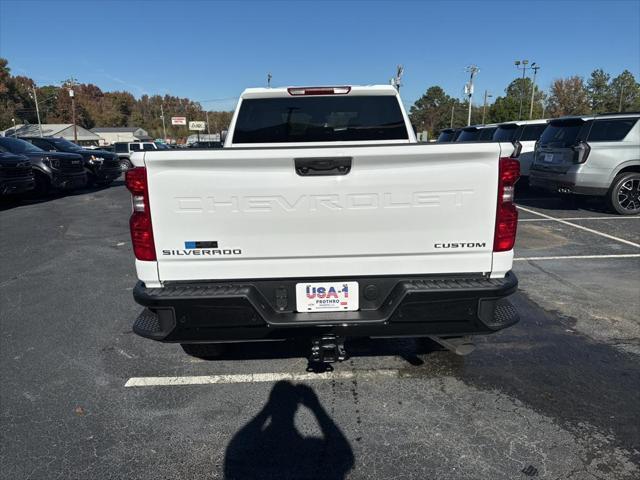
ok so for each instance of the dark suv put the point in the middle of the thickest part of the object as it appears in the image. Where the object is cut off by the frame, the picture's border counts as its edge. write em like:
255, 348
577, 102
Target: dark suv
102, 167
477, 133
448, 135
53, 170
16, 174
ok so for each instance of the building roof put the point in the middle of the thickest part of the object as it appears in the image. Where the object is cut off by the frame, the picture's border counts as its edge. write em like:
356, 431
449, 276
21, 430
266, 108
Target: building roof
49, 130
116, 129
136, 132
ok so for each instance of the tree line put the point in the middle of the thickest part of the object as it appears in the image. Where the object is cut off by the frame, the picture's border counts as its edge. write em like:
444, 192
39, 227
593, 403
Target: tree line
95, 108
600, 93
432, 112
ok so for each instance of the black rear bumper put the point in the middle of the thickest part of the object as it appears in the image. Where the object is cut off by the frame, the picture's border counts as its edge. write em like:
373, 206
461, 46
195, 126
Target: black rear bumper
265, 309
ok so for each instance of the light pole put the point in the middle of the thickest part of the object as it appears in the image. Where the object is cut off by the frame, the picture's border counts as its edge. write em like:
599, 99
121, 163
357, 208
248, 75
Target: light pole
484, 106
524, 69
73, 115
535, 69
15, 134
468, 88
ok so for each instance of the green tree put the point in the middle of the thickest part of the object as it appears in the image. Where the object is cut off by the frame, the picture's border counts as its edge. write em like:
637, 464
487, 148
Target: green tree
517, 93
568, 96
432, 111
625, 93
599, 91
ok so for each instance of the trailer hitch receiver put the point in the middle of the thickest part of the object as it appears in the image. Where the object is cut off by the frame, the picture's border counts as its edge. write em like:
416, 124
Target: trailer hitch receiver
328, 349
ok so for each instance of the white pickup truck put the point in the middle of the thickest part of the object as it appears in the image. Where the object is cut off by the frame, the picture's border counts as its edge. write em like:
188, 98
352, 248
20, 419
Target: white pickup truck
323, 218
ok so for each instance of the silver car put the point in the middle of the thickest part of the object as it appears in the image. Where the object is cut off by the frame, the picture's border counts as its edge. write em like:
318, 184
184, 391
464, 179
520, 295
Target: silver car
592, 155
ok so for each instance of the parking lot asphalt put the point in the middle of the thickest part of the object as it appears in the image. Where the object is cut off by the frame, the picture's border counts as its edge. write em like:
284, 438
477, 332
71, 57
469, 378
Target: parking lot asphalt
557, 396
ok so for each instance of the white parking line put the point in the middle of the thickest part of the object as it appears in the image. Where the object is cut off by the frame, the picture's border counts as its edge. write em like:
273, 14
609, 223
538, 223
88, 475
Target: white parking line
258, 377
577, 218
590, 230
578, 257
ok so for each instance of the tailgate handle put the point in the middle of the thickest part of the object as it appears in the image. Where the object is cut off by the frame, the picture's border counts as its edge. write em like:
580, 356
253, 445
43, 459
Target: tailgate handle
306, 167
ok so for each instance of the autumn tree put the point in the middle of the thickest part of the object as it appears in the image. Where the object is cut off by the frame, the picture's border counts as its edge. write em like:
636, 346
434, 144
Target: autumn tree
568, 96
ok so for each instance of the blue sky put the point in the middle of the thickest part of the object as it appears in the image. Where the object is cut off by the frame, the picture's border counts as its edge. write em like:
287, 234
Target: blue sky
208, 50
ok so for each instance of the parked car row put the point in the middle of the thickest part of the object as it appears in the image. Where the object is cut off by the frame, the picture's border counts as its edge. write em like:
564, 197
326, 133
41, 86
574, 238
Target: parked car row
596, 155
47, 164
124, 149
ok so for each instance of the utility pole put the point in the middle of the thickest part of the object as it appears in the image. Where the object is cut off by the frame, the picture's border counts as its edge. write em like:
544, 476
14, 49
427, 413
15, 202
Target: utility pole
35, 99
468, 88
621, 92
453, 109
396, 80
484, 106
72, 83
164, 130
207, 115
15, 133
535, 69
524, 69
269, 77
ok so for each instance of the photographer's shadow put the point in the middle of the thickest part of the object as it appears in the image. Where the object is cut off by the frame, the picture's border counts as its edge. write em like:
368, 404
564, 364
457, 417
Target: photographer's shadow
270, 446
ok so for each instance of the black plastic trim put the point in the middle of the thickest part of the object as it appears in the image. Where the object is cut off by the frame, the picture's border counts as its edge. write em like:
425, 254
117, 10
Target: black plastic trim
265, 309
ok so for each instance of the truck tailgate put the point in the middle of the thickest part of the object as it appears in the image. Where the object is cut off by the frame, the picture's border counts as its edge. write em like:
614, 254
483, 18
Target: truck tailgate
246, 213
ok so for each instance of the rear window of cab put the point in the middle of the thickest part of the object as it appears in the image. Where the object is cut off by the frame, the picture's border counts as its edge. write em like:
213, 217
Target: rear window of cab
320, 119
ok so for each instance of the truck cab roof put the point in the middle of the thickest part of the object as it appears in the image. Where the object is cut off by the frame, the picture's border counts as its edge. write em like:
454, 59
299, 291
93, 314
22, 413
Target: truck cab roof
351, 90
322, 115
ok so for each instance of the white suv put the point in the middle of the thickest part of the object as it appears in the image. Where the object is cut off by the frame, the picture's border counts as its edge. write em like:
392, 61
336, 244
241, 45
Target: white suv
524, 135
125, 149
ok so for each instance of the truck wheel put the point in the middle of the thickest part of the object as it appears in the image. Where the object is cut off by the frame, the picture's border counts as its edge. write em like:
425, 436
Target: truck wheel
205, 351
624, 194
125, 164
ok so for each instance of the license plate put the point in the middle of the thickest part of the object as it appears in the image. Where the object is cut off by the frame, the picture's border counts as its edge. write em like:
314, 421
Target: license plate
327, 297
548, 158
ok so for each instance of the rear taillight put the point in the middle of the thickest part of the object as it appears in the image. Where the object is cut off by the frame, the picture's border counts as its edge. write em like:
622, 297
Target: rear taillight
318, 90
506, 214
140, 222
582, 149
517, 149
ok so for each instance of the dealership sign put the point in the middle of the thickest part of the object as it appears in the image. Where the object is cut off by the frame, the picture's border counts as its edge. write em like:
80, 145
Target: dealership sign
178, 120
198, 126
